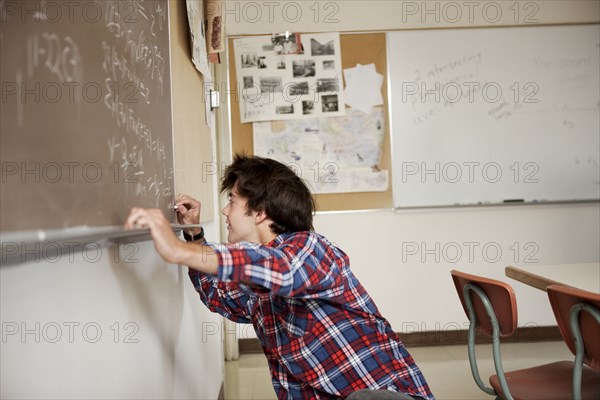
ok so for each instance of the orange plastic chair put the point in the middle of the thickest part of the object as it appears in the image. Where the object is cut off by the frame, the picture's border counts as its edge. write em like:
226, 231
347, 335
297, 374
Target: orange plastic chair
491, 308
578, 315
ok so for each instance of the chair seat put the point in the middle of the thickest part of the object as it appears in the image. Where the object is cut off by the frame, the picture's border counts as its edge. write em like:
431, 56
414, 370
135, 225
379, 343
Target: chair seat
549, 382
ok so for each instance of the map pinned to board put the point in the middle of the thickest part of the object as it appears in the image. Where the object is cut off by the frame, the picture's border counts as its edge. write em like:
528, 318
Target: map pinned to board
333, 155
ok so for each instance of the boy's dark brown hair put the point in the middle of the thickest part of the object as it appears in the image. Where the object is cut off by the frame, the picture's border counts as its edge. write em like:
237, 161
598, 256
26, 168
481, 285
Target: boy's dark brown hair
274, 188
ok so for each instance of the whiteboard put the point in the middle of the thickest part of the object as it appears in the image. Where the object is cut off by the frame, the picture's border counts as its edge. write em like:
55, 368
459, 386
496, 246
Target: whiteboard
490, 115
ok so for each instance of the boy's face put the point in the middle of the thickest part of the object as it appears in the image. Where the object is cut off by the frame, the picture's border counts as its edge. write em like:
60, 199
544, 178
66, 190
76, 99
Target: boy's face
241, 225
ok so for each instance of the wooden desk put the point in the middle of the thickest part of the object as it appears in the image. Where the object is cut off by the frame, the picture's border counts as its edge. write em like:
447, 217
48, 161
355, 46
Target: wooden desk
584, 276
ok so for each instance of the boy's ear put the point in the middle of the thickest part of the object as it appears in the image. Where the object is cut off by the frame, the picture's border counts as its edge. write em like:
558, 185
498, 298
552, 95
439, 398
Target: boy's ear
260, 216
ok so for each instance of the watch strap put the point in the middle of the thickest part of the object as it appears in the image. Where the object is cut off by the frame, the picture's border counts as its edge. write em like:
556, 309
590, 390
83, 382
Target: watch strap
190, 238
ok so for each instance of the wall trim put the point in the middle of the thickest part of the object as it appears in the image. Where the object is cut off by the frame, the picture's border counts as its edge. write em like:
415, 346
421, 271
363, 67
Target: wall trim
446, 338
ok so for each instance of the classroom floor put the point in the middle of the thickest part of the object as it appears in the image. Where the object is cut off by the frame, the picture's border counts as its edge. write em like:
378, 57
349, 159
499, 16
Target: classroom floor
446, 368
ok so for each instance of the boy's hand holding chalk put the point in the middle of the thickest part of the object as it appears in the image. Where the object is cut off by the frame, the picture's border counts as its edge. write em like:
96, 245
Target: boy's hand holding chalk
187, 209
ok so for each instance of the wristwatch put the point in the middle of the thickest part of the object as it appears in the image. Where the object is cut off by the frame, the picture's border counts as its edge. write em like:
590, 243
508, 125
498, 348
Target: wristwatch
190, 238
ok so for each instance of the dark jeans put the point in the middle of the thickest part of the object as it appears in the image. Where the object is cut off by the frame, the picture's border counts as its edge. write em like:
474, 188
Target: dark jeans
367, 394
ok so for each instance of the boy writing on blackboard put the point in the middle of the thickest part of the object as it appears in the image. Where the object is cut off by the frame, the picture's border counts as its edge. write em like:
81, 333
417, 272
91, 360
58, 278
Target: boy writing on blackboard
322, 334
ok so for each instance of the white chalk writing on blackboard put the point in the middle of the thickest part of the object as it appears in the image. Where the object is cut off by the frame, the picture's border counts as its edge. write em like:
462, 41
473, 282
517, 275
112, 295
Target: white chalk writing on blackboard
135, 70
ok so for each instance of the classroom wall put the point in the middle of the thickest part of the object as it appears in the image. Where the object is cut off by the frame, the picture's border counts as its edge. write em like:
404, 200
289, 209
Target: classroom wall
115, 321
266, 17
404, 258
192, 139
107, 321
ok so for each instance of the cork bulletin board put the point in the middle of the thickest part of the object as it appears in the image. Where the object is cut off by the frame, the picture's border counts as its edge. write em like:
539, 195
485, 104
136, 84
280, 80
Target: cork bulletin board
356, 48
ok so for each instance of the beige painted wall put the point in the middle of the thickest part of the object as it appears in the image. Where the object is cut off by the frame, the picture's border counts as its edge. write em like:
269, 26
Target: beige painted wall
193, 161
266, 17
111, 322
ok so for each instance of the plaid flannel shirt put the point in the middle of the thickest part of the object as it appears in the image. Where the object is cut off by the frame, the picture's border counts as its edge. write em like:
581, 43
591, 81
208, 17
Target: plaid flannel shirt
321, 332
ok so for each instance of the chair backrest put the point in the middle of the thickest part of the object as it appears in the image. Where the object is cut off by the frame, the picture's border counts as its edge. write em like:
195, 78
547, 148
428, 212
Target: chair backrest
501, 296
562, 299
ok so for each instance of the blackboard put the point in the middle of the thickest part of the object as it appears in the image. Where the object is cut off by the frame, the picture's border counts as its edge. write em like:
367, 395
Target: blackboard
494, 115
86, 112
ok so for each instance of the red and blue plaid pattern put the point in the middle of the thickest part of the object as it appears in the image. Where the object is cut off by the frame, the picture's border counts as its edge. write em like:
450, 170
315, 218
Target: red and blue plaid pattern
321, 332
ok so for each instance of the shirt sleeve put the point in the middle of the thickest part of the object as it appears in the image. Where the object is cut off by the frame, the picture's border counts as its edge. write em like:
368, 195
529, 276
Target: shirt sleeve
228, 299
301, 266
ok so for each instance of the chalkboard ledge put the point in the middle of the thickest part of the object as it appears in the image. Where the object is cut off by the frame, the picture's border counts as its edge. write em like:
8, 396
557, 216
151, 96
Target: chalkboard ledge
50, 245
